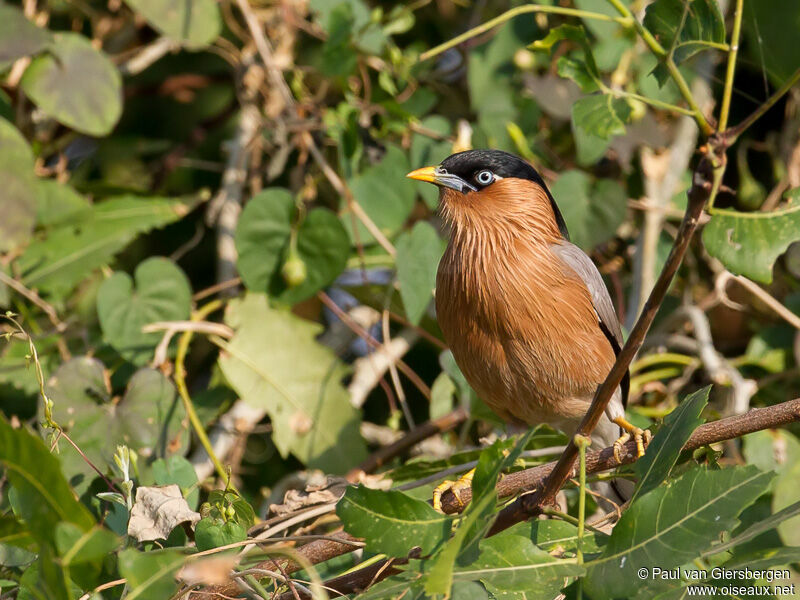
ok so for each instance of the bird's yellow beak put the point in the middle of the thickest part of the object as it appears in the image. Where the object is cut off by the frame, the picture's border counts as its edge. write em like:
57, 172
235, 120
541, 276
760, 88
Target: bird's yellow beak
427, 174
439, 176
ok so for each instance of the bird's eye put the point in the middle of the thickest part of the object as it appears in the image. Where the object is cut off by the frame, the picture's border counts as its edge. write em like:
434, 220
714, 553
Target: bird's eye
484, 177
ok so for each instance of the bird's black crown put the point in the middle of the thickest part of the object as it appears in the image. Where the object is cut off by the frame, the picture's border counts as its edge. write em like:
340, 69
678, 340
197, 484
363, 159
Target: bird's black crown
503, 164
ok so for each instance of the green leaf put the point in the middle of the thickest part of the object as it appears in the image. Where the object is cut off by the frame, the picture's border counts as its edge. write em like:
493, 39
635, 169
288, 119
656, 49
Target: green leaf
511, 562
76, 546
672, 525
748, 243
262, 241
18, 36
601, 115
556, 536
684, 27
194, 23
584, 73
663, 451
770, 29
391, 522
176, 469
68, 253
443, 391
771, 450
384, 193
161, 293
274, 362
418, 254
593, 212
76, 84
19, 182
43, 497
151, 574
213, 533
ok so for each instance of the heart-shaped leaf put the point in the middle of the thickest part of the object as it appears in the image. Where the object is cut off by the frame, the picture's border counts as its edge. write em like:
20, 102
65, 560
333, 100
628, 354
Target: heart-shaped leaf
191, 22
161, 293
148, 418
76, 84
263, 244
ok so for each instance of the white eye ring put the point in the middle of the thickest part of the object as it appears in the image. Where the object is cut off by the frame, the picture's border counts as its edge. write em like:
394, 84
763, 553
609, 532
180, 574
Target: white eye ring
485, 177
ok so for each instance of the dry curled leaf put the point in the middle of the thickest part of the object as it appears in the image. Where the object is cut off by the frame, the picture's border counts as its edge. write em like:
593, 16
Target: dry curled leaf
329, 491
157, 511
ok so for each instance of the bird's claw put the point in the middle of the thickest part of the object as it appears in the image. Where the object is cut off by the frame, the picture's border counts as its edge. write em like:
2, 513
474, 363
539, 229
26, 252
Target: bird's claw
642, 437
463, 482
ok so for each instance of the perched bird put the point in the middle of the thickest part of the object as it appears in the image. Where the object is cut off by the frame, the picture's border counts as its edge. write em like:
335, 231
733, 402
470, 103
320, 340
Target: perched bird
524, 311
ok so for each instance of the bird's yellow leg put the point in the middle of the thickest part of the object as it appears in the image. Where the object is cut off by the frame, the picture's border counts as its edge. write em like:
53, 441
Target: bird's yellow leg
463, 482
642, 437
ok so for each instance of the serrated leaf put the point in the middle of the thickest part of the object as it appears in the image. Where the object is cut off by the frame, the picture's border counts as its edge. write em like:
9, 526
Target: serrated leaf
749, 243
665, 447
684, 27
262, 242
150, 575
19, 185
192, 22
58, 203
297, 381
18, 36
672, 525
592, 211
76, 84
68, 253
418, 254
391, 522
601, 115
161, 293
556, 536
42, 496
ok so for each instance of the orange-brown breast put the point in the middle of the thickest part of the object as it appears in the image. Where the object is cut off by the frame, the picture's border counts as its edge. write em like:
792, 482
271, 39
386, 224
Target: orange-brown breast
520, 323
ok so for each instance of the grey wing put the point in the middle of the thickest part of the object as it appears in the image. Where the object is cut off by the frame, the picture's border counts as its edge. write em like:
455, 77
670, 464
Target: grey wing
583, 266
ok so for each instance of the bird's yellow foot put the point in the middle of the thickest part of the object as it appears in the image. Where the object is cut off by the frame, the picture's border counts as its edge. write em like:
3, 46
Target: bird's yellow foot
464, 482
642, 437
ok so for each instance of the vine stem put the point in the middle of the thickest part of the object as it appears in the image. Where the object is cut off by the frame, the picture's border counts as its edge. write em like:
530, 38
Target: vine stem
515, 12
727, 92
582, 442
183, 391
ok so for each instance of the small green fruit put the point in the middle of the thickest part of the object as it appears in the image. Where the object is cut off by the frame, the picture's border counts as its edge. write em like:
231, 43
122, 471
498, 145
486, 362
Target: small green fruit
294, 271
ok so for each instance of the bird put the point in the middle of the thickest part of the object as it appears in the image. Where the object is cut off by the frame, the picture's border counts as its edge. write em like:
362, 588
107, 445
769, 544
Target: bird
524, 311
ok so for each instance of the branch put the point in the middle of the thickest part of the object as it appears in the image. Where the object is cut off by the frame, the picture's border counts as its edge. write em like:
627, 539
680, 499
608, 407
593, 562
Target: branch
529, 479
732, 133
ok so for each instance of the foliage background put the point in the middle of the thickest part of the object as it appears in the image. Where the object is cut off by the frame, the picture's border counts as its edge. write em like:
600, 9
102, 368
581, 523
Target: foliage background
241, 165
